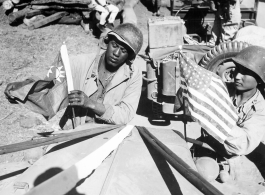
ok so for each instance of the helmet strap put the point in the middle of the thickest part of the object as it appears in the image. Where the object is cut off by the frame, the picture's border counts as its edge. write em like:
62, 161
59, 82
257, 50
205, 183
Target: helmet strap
129, 62
131, 58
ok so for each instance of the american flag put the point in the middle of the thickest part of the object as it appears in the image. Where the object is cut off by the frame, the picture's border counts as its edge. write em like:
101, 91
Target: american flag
208, 99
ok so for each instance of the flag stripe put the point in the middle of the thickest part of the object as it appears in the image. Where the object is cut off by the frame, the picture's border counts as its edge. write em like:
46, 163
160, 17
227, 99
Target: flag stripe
227, 101
214, 106
210, 113
221, 131
224, 94
211, 129
207, 125
209, 116
205, 120
222, 103
205, 102
219, 90
220, 83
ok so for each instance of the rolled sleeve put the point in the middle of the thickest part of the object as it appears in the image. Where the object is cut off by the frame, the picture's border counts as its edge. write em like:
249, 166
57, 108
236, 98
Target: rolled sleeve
107, 114
245, 139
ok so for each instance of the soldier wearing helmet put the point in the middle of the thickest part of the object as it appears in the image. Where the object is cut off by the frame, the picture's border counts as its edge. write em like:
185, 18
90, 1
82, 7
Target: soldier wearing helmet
109, 84
249, 79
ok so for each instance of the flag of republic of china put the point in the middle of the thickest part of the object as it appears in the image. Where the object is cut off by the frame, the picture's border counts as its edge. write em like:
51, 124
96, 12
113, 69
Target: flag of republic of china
208, 99
49, 95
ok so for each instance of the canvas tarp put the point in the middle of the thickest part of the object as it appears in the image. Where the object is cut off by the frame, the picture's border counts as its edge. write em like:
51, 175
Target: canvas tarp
196, 52
133, 168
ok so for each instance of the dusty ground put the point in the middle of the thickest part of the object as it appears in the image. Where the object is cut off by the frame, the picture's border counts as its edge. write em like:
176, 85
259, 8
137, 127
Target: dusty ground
25, 53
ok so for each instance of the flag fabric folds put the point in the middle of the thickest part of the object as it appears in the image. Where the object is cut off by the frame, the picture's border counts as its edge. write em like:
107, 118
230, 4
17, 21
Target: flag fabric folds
45, 96
208, 99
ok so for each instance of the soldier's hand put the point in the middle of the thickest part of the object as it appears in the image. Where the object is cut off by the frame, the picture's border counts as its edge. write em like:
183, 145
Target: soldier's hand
78, 98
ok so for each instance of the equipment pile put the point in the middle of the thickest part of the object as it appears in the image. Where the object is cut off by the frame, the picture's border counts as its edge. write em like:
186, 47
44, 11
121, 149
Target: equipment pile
37, 13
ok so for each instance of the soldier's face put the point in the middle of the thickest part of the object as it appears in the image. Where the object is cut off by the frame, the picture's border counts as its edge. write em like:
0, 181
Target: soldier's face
245, 79
116, 54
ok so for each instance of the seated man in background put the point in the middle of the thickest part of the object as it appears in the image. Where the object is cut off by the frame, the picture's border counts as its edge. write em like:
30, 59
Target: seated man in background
108, 85
227, 20
106, 9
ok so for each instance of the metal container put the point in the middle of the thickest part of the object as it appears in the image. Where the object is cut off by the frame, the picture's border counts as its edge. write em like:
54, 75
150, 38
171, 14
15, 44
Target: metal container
165, 32
170, 78
152, 91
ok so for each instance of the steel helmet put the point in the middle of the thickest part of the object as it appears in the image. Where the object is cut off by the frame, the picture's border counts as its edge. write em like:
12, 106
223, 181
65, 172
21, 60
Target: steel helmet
129, 34
253, 58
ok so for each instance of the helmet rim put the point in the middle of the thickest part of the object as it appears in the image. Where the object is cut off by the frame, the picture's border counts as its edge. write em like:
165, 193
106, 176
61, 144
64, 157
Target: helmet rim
120, 38
129, 33
248, 58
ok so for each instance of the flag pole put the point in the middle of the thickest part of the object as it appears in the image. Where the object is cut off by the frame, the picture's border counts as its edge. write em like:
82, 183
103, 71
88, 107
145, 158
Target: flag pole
69, 78
185, 119
74, 119
184, 110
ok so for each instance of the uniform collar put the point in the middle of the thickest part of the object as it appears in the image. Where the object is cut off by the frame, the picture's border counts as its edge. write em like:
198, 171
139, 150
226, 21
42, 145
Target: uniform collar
257, 97
123, 73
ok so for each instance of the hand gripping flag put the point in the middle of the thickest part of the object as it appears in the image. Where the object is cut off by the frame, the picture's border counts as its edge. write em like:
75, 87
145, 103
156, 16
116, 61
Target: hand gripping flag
49, 95
208, 99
